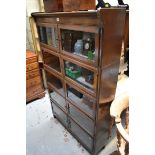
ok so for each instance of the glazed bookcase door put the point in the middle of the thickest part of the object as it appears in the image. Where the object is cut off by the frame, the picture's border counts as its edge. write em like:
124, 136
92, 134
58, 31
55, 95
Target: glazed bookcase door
55, 82
51, 61
81, 119
81, 135
48, 36
81, 76
86, 103
60, 114
80, 43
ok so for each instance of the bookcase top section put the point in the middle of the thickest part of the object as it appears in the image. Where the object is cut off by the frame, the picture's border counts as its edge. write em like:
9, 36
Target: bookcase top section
77, 13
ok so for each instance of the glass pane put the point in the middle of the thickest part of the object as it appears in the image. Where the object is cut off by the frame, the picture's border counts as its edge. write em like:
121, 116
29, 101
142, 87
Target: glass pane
80, 74
42, 34
57, 98
60, 114
48, 35
82, 119
82, 135
79, 43
85, 103
52, 61
57, 83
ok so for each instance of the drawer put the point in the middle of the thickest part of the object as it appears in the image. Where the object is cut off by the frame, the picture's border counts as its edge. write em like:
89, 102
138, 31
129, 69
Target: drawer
31, 60
83, 120
34, 90
32, 66
32, 74
60, 114
33, 82
81, 135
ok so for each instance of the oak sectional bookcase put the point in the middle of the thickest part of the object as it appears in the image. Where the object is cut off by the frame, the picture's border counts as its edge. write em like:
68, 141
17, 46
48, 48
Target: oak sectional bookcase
81, 56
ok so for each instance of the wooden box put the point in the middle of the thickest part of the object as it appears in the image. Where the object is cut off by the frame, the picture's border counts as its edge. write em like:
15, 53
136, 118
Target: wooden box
53, 5
68, 5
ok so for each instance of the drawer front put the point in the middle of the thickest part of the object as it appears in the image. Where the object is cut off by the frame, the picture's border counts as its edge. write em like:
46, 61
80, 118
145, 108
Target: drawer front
81, 134
59, 114
33, 82
31, 60
32, 74
34, 90
32, 66
58, 99
84, 121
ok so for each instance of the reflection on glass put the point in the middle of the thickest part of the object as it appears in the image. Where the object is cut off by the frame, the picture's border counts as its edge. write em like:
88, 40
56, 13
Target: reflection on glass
60, 114
82, 135
79, 43
52, 61
58, 99
81, 119
55, 82
85, 103
80, 74
42, 34
48, 35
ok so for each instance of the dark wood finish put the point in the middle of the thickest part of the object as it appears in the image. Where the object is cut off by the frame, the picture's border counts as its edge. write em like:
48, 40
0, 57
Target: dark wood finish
113, 25
87, 5
87, 110
34, 87
68, 5
126, 31
53, 5
71, 5
82, 28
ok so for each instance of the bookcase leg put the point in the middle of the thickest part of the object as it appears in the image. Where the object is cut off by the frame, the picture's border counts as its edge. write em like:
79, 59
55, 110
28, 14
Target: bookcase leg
54, 116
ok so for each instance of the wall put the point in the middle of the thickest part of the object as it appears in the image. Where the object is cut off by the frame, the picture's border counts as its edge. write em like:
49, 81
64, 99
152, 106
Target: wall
31, 6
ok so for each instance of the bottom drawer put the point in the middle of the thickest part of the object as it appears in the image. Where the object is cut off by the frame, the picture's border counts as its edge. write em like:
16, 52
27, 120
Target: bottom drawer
34, 90
59, 114
82, 135
32, 74
33, 82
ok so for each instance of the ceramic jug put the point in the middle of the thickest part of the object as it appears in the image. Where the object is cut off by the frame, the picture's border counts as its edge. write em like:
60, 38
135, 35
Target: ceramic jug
78, 47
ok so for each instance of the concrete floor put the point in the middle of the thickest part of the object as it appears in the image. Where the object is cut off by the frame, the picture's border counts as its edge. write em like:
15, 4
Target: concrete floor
46, 136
